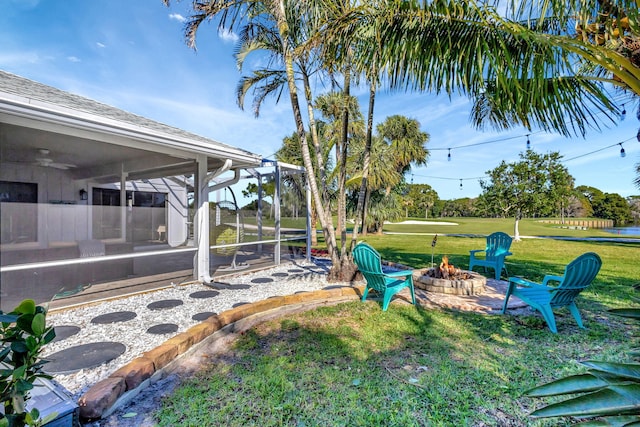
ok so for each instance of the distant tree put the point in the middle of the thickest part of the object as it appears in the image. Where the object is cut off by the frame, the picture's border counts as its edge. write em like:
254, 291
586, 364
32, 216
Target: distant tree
593, 195
616, 208
268, 190
526, 188
578, 206
459, 207
423, 198
634, 204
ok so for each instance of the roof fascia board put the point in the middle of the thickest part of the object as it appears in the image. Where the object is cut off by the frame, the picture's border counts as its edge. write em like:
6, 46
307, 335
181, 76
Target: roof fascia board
91, 126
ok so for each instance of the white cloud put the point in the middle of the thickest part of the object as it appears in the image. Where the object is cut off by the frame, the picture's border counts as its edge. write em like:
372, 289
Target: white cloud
177, 17
100, 45
228, 36
73, 59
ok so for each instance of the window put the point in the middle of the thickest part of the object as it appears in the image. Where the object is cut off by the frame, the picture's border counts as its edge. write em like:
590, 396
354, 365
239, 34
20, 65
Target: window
19, 212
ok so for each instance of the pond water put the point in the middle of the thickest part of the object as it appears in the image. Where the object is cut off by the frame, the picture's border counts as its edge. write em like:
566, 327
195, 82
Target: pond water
624, 230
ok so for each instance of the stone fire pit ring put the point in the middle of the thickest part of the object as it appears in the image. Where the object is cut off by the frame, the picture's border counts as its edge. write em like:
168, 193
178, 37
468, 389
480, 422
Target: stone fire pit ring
473, 285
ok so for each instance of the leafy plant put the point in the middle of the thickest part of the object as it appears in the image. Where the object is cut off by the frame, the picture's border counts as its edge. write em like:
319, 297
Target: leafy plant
24, 334
610, 391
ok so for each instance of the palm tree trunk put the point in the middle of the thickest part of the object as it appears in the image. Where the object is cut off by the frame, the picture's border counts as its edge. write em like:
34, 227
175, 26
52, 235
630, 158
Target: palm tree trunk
361, 207
342, 168
330, 237
313, 130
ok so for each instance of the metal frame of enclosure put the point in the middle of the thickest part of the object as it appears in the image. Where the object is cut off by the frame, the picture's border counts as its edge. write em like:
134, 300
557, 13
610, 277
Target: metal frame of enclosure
97, 202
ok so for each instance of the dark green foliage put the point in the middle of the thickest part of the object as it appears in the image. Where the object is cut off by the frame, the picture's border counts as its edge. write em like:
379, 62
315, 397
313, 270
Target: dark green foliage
24, 334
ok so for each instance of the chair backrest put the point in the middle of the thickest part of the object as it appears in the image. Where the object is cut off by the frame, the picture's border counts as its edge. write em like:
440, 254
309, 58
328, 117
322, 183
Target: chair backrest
578, 274
369, 263
497, 244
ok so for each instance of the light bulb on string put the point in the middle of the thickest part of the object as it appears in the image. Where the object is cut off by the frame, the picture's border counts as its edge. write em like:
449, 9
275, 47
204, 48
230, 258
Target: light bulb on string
623, 114
622, 153
411, 178
460, 183
449, 155
528, 143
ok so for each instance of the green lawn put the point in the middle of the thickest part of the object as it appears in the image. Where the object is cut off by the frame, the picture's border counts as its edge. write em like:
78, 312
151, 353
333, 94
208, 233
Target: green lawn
353, 364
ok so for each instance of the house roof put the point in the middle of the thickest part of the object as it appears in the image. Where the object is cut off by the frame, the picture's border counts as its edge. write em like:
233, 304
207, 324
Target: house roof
28, 104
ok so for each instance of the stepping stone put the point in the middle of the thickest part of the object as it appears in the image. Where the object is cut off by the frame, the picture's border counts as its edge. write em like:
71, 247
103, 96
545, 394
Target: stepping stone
262, 280
238, 304
65, 331
163, 328
84, 356
204, 294
114, 317
203, 316
295, 270
239, 286
164, 304
280, 274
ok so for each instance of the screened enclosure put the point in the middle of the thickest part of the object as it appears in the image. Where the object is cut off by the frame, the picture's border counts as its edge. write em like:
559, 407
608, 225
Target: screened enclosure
96, 203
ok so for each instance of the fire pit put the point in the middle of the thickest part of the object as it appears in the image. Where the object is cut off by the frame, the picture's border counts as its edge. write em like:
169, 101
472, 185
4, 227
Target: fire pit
447, 279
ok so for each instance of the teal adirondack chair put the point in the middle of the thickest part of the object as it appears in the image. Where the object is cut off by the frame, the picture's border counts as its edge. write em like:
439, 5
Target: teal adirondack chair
577, 276
497, 249
386, 284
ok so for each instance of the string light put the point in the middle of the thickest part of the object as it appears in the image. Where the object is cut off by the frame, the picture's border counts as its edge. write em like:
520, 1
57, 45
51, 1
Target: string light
623, 114
622, 153
461, 184
449, 155
528, 143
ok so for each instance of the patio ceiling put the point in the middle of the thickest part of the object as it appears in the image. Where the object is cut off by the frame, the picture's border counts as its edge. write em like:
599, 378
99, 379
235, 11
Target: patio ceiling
101, 142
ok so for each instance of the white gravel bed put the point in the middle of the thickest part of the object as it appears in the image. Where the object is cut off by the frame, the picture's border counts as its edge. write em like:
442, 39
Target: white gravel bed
132, 333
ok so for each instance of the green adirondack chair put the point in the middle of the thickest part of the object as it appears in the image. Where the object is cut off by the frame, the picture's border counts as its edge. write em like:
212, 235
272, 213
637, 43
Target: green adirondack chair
386, 284
577, 276
497, 249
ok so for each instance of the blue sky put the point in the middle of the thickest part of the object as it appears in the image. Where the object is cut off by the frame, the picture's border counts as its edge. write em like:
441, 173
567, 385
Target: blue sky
132, 55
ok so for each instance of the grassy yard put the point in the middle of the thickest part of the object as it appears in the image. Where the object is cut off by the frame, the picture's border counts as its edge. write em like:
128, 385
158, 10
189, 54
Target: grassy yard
353, 364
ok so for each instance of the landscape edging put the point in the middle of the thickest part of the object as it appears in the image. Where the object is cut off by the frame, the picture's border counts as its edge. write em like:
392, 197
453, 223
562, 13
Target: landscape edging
108, 394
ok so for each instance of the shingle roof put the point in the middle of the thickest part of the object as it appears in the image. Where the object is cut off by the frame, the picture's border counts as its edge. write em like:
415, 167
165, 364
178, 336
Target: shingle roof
22, 87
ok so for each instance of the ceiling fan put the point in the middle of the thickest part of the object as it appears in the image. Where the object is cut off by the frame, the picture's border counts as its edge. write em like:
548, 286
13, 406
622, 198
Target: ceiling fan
45, 161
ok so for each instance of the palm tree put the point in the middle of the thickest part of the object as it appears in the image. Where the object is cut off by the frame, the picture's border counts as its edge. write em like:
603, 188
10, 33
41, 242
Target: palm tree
380, 177
331, 106
436, 46
406, 142
287, 20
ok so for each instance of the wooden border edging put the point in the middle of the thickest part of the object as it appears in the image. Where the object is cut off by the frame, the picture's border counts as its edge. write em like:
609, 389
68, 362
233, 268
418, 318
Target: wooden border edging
127, 382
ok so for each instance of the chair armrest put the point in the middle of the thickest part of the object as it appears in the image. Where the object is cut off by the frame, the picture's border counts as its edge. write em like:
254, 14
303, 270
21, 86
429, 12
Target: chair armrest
514, 282
520, 281
399, 273
551, 278
475, 251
